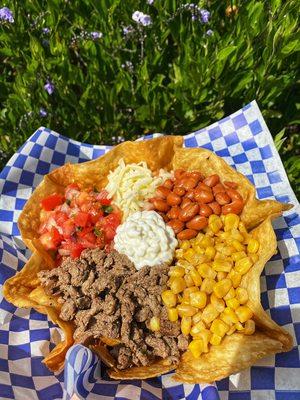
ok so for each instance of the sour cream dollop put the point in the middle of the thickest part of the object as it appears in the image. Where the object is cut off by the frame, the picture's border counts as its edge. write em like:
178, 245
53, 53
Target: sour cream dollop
146, 239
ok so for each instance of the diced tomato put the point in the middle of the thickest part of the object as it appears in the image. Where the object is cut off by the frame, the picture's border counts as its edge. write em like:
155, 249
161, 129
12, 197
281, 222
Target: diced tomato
52, 201
109, 232
84, 231
68, 228
72, 191
88, 240
60, 217
96, 216
50, 240
81, 219
82, 199
112, 220
102, 197
74, 248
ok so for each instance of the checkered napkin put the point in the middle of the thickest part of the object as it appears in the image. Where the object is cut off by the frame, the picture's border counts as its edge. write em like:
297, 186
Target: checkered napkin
26, 336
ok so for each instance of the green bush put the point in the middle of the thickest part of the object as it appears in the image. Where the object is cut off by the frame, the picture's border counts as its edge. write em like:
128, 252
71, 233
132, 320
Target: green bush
174, 75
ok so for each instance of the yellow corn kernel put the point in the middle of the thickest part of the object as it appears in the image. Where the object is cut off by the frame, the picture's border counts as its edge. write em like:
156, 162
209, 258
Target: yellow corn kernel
206, 271
233, 303
186, 323
237, 235
188, 280
209, 314
177, 285
242, 295
184, 245
215, 340
172, 314
242, 228
219, 304
231, 330
244, 313
220, 256
196, 277
229, 316
206, 241
243, 265
231, 221
189, 254
186, 310
196, 347
221, 275
221, 265
235, 278
154, 324
237, 245
177, 272
249, 328
239, 326
197, 317
188, 291
179, 253
169, 298
254, 258
219, 327
230, 294
205, 336
222, 288
198, 299
238, 255
215, 223
208, 285
197, 328
253, 246
199, 237
210, 252
200, 251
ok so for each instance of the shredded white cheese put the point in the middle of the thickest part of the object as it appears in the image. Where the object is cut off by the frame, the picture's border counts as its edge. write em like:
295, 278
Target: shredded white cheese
132, 184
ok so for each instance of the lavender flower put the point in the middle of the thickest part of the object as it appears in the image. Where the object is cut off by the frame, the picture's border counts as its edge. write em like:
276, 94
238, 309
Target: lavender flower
141, 18
96, 35
205, 15
43, 112
49, 87
6, 15
150, 2
209, 32
46, 31
127, 30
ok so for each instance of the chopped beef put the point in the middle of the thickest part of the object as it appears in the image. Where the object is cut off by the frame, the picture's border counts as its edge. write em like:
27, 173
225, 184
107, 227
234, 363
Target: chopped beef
106, 296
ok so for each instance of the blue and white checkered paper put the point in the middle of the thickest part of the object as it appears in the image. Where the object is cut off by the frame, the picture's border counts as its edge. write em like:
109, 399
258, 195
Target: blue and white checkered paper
26, 336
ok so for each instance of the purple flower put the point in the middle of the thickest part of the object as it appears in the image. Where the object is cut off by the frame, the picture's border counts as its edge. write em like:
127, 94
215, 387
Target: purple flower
49, 87
127, 30
205, 15
141, 18
46, 31
43, 112
6, 15
209, 32
96, 35
150, 2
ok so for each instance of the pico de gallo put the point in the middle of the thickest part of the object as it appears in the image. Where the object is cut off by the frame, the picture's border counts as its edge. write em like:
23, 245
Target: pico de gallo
78, 220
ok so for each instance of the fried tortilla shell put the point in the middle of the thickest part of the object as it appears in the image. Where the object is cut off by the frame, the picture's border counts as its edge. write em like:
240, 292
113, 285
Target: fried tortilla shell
238, 351
24, 290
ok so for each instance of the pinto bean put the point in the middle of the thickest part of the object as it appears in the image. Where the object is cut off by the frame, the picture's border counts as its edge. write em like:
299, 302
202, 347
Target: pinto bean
188, 212
185, 202
203, 196
205, 210
212, 180
219, 188
216, 208
176, 225
235, 207
189, 183
197, 223
162, 191
190, 195
173, 213
222, 198
202, 186
180, 191
164, 217
187, 234
169, 184
234, 194
161, 205
231, 185
173, 199
178, 173
197, 175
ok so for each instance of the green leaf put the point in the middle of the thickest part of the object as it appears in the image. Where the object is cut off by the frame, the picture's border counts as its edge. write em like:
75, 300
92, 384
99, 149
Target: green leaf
224, 53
